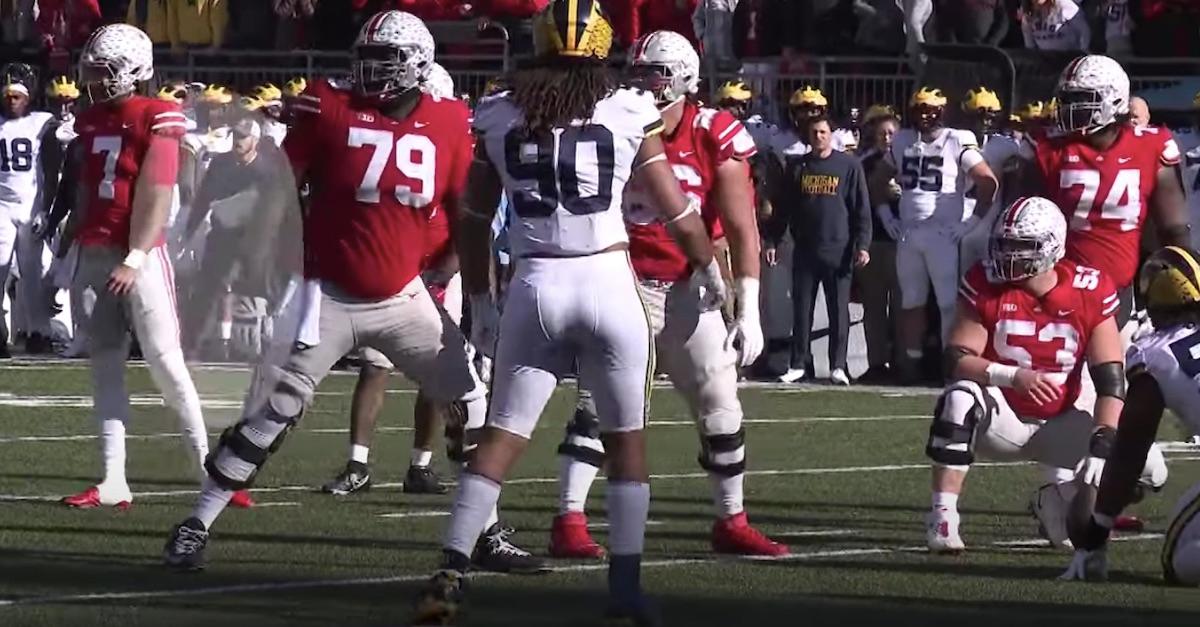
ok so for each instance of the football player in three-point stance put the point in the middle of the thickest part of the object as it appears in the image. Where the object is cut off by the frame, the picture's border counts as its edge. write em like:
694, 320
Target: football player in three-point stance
30, 156
130, 156
378, 156
708, 151
934, 165
562, 140
1108, 176
1164, 373
1027, 320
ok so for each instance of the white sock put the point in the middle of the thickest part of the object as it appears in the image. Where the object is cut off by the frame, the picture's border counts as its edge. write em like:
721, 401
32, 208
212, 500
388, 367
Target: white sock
574, 481
1054, 474
420, 458
945, 500
112, 448
728, 494
212, 501
359, 453
226, 329
493, 517
474, 504
628, 507
171, 375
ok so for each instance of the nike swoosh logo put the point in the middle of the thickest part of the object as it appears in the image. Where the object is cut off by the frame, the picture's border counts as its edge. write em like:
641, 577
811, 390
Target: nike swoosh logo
1124, 159
420, 124
686, 153
126, 126
1065, 312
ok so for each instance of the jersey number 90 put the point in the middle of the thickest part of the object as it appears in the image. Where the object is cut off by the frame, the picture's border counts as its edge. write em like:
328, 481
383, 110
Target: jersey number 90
530, 157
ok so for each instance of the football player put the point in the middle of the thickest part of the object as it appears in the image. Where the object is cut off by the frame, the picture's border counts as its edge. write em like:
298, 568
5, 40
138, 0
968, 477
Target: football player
378, 155
30, 157
1027, 321
562, 140
130, 154
1164, 373
934, 166
982, 107
270, 103
805, 104
1109, 176
708, 151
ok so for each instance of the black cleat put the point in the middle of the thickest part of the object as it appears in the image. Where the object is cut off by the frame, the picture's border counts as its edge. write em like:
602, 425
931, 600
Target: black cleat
493, 552
354, 478
38, 344
184, 550
439, 600
423, 480
640, 615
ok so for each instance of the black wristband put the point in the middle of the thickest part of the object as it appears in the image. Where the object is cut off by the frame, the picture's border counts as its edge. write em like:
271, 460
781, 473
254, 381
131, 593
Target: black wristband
1104, 439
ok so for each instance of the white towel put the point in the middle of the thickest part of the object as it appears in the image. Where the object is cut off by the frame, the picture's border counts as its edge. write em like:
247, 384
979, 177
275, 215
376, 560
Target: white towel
310, 314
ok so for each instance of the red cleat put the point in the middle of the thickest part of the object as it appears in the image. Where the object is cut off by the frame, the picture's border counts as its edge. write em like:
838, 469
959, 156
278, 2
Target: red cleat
241, 500
90, 498
1129, 524
569, 538
734, 535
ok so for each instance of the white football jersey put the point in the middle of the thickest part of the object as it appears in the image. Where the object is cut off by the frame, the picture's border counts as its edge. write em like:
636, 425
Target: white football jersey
997, 150
786, 143
762, 131
20, 170
1191, 188
1172, 357
565, 189
932, 175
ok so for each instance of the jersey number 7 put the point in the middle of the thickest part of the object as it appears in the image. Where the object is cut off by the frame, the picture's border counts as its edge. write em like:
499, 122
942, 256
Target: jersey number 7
585, 155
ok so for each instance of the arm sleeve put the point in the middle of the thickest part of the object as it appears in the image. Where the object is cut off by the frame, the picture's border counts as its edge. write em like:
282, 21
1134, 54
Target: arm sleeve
860, 208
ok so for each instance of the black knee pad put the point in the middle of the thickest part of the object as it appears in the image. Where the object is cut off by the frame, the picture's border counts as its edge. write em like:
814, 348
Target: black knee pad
956, 434
234, 442
710, 445
584, 424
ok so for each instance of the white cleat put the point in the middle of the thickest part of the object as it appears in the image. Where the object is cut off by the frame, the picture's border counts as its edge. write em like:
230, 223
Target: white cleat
792, 375
1050, 505
1087, 566
839, 377
941, 532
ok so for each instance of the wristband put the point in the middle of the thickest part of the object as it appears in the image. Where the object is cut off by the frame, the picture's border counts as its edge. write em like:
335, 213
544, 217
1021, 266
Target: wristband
1001, 375
1104, 439
746, 289
134, 259
692, 207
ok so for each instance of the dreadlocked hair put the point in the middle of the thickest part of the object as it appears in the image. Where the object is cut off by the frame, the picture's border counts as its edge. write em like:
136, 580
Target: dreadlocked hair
553, 92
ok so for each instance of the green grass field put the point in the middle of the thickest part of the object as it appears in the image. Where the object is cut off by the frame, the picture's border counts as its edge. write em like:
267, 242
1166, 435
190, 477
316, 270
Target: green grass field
840, 475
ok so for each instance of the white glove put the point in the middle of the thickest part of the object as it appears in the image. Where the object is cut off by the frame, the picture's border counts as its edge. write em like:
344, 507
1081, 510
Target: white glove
746, 329
1087, 566
891, 224
712, 286
485, 323
966, 226
1091, 468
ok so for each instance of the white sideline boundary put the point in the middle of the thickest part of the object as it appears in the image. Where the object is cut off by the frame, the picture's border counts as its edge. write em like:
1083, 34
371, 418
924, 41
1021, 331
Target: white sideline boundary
412, 578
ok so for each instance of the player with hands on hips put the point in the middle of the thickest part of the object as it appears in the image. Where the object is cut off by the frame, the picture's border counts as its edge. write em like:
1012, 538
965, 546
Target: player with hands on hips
1027, 321
1164, 373
708, 151
562, 139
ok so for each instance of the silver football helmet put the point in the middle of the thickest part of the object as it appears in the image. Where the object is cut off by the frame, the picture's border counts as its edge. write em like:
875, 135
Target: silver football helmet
1027, 239
1091, 93
392, 55
665, 64
438, 82
114, 60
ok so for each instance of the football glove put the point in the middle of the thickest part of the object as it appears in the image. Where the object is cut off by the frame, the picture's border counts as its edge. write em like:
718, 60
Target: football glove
711, 285
485, 323
1087, 566
746, 330
1091, 468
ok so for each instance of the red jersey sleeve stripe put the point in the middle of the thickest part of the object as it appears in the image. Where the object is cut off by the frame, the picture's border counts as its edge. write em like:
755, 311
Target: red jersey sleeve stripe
970, 298
965, 286
169, 114
301, 107
309, 98
162, 125
1109, 309
729, 130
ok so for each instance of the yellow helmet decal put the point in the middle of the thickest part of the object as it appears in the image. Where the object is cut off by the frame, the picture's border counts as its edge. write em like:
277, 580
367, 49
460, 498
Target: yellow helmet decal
734, 90
295, 86
808, 95
572, 28
62, 88
251, 103
171, 93
216, 94
1170, 279
1032, 111
267, 92
981, 98
928, 96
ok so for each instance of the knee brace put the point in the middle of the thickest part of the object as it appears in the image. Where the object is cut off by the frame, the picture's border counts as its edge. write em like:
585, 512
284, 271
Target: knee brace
455, 431
724, 454
245, 447
958, 413
582, 439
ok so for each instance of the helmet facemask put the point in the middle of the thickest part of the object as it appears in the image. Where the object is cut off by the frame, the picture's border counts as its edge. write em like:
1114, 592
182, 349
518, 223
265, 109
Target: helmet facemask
803, 113
659, 80
1082, 111
927, 117
103, 82
1017, 258
383, 73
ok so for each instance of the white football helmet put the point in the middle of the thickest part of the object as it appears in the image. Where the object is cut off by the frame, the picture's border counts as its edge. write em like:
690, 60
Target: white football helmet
438, 82
665, 64
392, 54
1091, 93
116, 58
1027, 239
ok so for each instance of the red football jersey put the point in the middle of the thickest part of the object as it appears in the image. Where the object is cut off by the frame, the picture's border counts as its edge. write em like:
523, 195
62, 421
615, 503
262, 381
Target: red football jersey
704, 139
115, 138
1049, 335
375, 181
437, 238
1105, 195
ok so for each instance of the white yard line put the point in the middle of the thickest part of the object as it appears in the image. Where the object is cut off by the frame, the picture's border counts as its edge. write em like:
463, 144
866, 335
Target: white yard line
415, 577
417, 514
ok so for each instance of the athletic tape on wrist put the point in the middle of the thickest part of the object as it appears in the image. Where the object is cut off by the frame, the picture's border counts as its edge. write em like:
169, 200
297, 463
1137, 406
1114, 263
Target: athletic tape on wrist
1001, 375
135, 259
